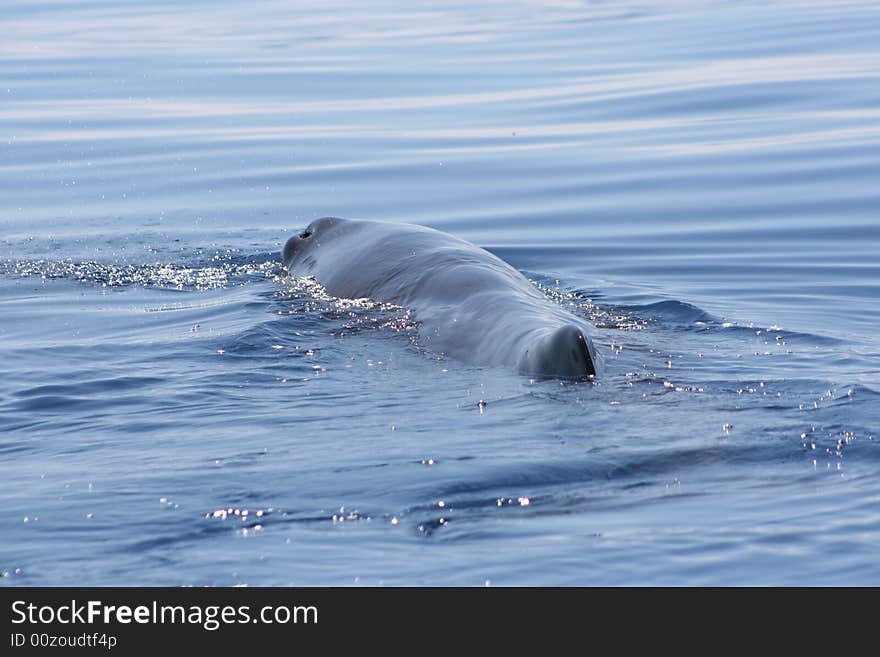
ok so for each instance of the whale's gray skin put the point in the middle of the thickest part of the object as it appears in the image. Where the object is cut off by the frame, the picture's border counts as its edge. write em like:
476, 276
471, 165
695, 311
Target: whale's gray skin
470, 304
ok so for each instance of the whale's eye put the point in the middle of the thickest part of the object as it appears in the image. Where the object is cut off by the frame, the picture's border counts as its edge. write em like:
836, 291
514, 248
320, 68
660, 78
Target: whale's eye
306, 233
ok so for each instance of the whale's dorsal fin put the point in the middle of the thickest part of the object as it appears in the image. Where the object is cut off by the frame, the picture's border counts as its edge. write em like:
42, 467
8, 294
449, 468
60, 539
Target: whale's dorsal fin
575, 351
565, 352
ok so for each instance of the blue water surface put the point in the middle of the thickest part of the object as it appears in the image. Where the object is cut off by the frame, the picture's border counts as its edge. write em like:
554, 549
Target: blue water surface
698, 179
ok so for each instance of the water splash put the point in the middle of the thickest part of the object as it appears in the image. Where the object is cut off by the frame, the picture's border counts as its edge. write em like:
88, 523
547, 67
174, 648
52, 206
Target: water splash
218, 274
306, 295
605, 317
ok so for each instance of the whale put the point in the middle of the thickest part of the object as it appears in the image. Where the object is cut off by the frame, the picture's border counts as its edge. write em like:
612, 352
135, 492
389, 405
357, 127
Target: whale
469, 304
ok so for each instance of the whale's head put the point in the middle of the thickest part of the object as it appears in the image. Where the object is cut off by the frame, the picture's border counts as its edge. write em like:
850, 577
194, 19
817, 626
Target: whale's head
305, 241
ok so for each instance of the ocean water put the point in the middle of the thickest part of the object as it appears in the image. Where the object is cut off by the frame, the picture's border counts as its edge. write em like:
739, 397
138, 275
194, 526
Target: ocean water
698, 179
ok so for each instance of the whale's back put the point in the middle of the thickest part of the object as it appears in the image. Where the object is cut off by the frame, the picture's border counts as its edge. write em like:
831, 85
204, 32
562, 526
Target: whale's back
471, 305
